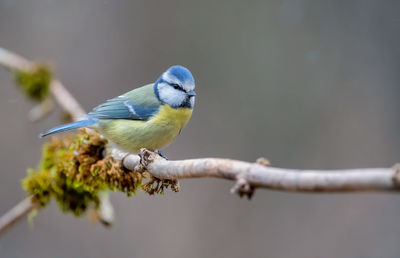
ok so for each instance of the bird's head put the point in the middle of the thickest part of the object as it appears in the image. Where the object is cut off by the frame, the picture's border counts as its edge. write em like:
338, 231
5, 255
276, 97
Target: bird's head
175, 87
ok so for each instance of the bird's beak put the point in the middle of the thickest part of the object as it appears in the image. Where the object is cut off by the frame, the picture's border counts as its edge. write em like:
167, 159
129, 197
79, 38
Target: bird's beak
191, 93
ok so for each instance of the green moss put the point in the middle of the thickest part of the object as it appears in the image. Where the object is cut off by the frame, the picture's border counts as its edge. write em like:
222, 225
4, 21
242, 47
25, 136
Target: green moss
36, 83
73, 171
58, 177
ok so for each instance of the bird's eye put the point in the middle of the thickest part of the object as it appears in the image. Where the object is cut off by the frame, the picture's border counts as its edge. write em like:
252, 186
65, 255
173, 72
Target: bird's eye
176, 86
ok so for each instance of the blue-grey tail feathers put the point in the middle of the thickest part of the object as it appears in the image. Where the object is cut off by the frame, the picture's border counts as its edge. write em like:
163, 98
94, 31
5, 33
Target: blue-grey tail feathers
70, 126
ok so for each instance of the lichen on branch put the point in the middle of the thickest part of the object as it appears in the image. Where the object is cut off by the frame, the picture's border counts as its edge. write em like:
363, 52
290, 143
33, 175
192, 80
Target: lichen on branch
74, 171
36, 82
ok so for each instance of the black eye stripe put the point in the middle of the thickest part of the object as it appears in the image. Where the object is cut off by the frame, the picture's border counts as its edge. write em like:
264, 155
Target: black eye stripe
176, 86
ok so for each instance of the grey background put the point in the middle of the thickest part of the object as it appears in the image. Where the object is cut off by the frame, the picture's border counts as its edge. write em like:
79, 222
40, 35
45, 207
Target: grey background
308, 84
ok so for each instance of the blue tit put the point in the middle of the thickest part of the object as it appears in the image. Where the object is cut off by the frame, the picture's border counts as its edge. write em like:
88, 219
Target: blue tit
147, 117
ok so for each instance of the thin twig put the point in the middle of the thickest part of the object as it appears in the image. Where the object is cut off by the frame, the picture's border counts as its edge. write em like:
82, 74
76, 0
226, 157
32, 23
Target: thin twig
69, 104
60, 93
13, 61
14, 215
66, 100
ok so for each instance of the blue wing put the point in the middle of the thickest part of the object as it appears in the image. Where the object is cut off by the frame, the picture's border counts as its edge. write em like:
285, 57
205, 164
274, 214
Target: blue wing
122, 109
139, 104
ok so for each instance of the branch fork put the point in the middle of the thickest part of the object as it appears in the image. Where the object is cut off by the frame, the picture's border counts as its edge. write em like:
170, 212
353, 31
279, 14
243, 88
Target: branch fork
242, 187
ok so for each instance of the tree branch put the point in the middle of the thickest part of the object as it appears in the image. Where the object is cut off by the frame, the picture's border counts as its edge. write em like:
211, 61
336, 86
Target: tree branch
247, 176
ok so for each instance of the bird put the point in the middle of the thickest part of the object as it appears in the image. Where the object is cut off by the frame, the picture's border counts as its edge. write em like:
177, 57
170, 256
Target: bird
147, 117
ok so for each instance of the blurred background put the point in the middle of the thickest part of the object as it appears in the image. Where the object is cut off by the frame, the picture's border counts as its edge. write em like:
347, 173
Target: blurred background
305, 83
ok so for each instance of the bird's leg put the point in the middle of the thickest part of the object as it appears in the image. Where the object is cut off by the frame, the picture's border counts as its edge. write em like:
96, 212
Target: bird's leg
162, 154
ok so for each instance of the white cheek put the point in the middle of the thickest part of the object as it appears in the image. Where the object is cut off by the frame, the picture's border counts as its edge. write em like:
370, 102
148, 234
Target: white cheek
171, 96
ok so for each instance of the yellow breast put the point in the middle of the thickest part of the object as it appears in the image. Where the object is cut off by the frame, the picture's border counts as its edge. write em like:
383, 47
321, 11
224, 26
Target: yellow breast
160, 130
178, 117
